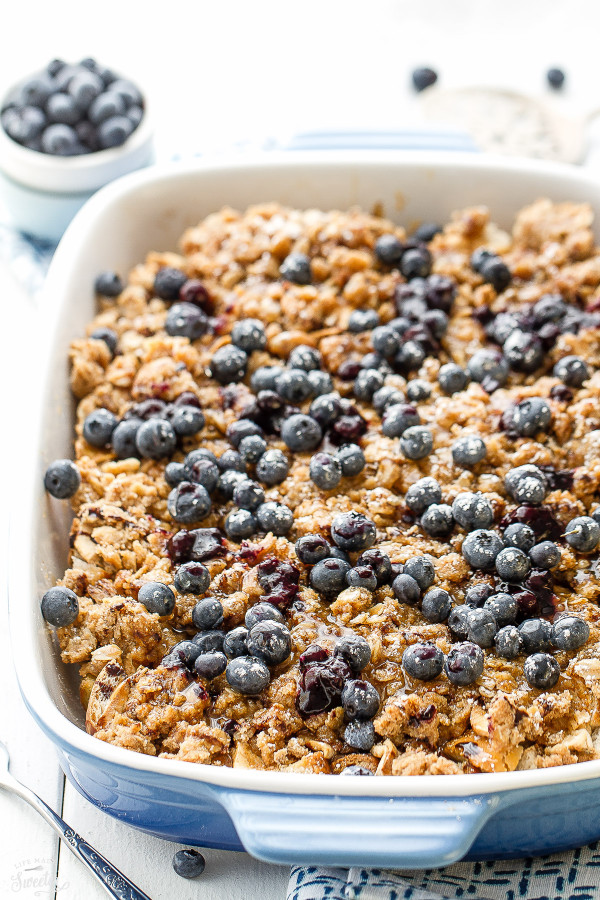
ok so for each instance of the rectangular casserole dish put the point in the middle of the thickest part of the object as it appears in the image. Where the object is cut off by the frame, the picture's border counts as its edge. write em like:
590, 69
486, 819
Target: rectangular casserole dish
399, 822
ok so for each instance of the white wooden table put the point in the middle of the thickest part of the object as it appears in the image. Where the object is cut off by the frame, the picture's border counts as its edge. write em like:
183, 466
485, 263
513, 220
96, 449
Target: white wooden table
220, 72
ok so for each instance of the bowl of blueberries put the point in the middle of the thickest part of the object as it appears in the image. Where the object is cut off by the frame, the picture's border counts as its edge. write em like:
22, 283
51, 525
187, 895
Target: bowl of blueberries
66, 131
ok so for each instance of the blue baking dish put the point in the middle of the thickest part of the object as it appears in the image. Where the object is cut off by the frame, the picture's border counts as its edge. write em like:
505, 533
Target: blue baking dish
398, 822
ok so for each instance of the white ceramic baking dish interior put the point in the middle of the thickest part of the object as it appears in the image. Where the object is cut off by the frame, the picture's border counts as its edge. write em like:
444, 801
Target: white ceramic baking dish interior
115, 229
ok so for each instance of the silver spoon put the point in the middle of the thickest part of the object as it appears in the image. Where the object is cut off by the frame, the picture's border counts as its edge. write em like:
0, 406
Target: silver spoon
113, 881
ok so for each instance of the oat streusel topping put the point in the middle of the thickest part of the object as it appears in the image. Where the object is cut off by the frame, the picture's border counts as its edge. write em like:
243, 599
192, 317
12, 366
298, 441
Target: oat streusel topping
489, 684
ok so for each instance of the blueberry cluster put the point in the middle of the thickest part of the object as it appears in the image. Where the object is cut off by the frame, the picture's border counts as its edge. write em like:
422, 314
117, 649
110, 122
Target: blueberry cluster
328, 680
244, 654
151, 429
70, 110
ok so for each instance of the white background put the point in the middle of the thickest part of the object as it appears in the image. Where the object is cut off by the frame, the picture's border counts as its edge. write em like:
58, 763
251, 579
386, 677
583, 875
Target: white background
216, 73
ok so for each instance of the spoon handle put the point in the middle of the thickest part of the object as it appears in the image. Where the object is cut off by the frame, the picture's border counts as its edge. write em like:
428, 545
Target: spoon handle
113, 881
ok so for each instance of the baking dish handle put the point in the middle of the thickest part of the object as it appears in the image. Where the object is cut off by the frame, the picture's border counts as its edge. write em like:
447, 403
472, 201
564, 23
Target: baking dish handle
394, 832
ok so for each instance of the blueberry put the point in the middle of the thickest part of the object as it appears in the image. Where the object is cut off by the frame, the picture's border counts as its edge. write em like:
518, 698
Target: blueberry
570, 633
252, 447
265, 378
406, 589
269, 641
98, 427
541, 671
194, 578
188, 503
508, 642
228, 482
105, 106
301, 433
416, 263
477, 594
536, 635
201, 470
60, 606
457, 622
62, 108
436, 605
186, 420
275, 517
247, 675
530, 416
336, 553
503, 607
409, 357
495, 272
107, 335
355, 649
240, 429
424, 661
583, 533
452, 378
262, 612
320, 382
436, 321
397, 418
326, 409
572, 371
211, 664
59, 140
207, 641
62, 479
296, 268
240, 524
555, 78
545, 555
360, 735
36, 91
417, 391
235, 642
549, 308
472, 511
24, 124
423, 493
356, 770
305, 357
437, 520
312, 548
351, 459
468, 450
156, 438
385, 341
362, 577
360, 700
479, 257
523, 352
188, 863
363, 320
426, 232
481, 627
488, 366
367, 382
512, 564
184, 653
464, 663
124, 439
248, 494
325, 471
128, 91
231, 459
168, 281
353, 531
481, 547
519, 535
84, 87
113, 132
228, 364
108, 284
421, 569
416, 442
423, 78
329, 576
526, 484
186, 320
388, 249
384, 397
157, 598
272, 468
